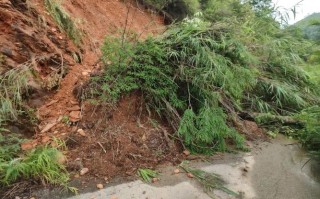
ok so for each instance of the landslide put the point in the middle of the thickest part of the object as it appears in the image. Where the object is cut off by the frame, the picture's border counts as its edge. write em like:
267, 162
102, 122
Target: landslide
109, 141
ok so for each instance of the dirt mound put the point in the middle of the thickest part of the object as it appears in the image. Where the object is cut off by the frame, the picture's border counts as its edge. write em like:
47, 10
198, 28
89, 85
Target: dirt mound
118, 142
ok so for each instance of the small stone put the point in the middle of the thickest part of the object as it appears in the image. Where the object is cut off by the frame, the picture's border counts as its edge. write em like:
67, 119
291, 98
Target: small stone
53, 29
106, 179
176, 171
154, 180
85, 73
186, 152
75, 116
60, 37
84, 171
77, 176
81, 132
190, 175
100, 186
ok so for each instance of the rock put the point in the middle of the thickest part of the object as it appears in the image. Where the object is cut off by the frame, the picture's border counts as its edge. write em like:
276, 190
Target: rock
85, 73
154, 180
51, 102
81, 132
75, 116
48, 127
74, 108
190, 175
53, 29
84, 171
186, 152
100, 186
74, 102
176, 171
77, 176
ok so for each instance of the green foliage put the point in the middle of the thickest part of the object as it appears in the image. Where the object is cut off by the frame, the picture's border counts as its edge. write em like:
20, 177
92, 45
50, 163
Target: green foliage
310, 26
199, 131
147, 174
209, 181
41, 164
310, 135
10, 146
63, 20
178, 9
202, 71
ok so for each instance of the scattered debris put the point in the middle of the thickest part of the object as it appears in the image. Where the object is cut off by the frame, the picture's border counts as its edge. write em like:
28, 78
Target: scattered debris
48, 127
75, 116
186, 152
84, 171
81, 132
190, 175
100, 186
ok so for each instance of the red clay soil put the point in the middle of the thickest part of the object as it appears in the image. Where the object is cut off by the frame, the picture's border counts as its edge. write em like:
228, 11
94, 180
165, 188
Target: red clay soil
108, 141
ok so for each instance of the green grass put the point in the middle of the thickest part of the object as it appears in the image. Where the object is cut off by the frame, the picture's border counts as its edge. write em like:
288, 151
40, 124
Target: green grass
209, 181
63, 20
147, 174
13, 86
41, 164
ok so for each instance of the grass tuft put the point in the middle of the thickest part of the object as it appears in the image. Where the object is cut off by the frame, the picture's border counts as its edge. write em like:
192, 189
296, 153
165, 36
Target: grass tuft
63, 20
147, 174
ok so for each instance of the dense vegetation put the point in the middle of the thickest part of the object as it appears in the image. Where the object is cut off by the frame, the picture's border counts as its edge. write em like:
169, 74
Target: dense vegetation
220, 59
230, 57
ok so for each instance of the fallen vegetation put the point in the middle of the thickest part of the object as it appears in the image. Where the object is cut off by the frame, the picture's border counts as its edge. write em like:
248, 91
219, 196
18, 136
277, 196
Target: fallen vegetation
223, 62
204, 71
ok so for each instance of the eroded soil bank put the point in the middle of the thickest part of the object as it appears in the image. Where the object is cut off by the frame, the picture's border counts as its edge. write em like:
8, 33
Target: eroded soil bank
272, 170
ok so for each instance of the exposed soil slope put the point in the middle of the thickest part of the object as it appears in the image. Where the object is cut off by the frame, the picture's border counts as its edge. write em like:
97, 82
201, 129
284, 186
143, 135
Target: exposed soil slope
105, 140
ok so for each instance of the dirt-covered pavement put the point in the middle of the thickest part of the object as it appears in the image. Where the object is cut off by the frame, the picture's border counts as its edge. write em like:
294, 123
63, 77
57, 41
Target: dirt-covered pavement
272, 170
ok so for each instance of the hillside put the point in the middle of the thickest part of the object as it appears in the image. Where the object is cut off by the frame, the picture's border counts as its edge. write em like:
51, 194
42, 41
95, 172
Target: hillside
94, 91
310, 26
